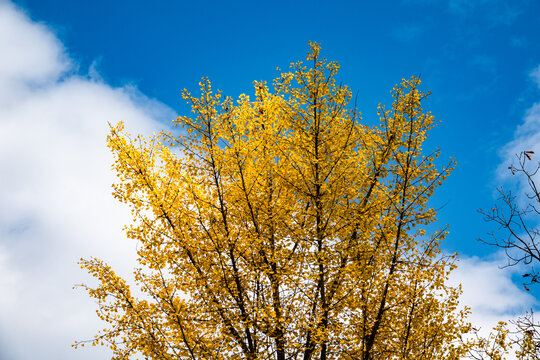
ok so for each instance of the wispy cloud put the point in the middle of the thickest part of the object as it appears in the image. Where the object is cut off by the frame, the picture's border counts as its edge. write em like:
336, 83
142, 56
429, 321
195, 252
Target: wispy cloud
407, 32
55, 188
535, 75
497, 12
518, 41
526, 137
484, 63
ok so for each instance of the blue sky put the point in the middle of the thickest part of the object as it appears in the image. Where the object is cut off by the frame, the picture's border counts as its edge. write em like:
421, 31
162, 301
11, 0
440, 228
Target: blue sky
69, 67
474, 55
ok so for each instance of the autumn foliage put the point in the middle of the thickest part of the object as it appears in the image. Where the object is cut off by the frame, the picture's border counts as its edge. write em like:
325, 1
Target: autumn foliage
280, 226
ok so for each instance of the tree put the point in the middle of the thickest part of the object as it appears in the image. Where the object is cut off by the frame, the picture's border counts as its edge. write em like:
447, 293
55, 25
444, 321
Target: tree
282, 227
517, 217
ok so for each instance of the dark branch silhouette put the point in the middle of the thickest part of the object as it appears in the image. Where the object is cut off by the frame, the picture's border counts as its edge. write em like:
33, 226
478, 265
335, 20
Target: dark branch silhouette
518, 219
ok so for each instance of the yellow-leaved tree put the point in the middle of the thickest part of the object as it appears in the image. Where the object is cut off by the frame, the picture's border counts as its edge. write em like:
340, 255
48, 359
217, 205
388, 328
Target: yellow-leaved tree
282, 227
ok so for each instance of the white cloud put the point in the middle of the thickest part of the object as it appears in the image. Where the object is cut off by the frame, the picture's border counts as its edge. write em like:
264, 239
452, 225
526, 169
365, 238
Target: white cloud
489, 291
55, 188
535, 75
31, 52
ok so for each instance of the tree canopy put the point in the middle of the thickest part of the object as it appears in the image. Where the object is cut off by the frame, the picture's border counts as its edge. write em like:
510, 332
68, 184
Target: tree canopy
280, 226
